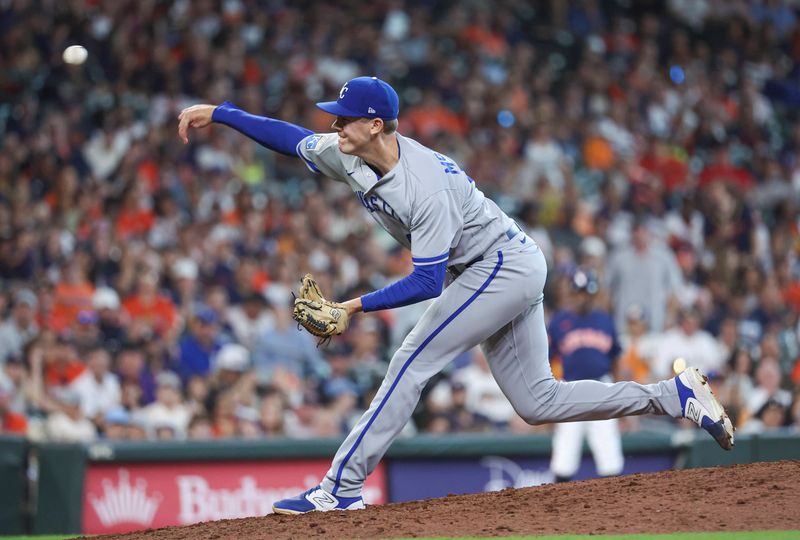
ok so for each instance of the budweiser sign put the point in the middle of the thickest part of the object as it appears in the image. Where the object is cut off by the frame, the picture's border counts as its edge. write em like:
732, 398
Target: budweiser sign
123, 503
126, 497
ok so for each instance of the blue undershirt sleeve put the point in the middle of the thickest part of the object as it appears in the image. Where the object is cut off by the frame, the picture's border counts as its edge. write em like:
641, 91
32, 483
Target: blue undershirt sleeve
276, 135
426, 281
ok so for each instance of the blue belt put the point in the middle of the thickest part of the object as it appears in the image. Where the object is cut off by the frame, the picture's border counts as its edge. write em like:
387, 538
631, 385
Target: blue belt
458, 269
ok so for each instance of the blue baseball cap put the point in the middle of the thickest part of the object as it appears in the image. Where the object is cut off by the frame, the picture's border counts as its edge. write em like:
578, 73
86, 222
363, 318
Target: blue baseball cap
364, 97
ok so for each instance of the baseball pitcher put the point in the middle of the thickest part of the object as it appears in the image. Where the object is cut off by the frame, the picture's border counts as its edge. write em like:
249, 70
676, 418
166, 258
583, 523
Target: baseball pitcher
434, 208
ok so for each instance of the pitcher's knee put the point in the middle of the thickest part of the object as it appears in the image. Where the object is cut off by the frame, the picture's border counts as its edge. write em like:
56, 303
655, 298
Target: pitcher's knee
537, 408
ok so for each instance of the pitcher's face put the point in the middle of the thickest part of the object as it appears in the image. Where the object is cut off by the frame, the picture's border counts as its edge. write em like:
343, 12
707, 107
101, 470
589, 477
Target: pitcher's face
356, 133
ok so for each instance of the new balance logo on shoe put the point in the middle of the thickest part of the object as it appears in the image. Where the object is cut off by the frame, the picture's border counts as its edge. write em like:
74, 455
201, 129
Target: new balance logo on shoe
322, 500
693, 410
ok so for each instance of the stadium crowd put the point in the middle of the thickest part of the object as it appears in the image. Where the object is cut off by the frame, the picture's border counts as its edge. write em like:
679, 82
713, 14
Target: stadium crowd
146, 284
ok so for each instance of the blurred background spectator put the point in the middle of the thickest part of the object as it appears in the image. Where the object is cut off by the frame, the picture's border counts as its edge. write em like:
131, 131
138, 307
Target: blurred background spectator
656, 143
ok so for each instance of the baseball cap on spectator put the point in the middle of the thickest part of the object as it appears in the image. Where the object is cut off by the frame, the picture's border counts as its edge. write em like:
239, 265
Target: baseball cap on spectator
27, 297
338, 349
15, 358
105, 298
688, 311
185, 268
168, 378
87, 316
364, 97
233, 357
585, 281
255, 298
593, 247
339, 386
635, 313
206, 315
118, 416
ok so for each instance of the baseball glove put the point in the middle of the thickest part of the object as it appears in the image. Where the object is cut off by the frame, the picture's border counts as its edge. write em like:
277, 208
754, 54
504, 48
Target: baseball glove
320, 317
309, 290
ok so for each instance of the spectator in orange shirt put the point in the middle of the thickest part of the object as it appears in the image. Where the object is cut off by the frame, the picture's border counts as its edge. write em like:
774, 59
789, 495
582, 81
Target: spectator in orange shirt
61, 363
638, 347
73, 294
430, 118
151, 308
136, 216
10, 421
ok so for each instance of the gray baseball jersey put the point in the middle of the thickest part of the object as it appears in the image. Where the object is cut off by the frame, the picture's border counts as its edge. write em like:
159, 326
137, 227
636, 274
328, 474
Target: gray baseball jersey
426, 202
431, 206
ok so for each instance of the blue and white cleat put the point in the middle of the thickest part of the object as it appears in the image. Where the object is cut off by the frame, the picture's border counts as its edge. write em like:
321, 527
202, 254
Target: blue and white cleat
699, 404
316, 500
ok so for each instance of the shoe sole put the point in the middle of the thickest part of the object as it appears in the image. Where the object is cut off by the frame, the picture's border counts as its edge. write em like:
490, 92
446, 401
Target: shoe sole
717, 411
286, 512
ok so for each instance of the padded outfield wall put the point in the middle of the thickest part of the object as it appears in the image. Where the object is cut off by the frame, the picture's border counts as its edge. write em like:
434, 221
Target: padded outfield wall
58, 488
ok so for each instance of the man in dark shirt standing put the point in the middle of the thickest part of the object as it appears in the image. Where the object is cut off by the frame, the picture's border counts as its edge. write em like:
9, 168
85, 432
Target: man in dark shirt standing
585, 340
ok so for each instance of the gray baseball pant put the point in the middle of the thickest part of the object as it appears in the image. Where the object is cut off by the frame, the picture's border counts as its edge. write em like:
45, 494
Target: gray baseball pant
496, 302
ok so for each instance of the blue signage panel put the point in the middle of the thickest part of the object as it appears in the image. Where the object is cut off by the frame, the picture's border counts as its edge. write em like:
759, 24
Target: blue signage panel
413, 479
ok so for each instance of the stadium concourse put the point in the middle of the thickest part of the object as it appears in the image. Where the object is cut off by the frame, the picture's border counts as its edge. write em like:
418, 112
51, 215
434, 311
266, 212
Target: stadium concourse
145, 284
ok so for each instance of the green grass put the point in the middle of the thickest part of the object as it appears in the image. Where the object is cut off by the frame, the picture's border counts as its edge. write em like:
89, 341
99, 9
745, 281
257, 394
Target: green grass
45, 537
748, 535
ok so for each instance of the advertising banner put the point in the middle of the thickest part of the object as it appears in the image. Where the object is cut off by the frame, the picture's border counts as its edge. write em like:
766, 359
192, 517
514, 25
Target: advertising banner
122, 497
428, 478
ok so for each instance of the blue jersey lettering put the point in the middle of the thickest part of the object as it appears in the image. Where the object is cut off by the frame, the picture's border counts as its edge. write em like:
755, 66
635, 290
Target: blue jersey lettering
449, 166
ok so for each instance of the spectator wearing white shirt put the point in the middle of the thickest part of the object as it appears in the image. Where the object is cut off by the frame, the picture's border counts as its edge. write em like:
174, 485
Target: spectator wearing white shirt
21, 326
544, 158
68, 423
97, 387
250, 320
768, 379
645, 273
484, 396
688, 341
168, 410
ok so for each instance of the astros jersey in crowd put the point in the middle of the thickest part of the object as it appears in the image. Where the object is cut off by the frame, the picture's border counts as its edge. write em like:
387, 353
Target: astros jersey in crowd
586, 344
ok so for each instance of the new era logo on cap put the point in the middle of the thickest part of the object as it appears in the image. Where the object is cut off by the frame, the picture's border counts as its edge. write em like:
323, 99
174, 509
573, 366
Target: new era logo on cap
364, 97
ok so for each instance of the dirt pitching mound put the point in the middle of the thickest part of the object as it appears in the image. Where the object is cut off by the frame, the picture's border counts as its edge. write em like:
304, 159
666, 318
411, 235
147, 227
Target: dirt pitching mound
759, 496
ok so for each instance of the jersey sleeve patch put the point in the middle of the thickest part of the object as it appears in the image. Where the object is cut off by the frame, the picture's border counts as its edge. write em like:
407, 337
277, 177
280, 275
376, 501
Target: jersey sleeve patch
312, 141
310, 164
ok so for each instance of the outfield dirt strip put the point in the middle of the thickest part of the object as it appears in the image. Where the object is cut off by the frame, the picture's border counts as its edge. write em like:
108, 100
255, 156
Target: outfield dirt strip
759, 496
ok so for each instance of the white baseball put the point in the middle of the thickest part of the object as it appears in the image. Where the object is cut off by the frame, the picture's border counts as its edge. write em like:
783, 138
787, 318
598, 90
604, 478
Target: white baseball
75, 54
